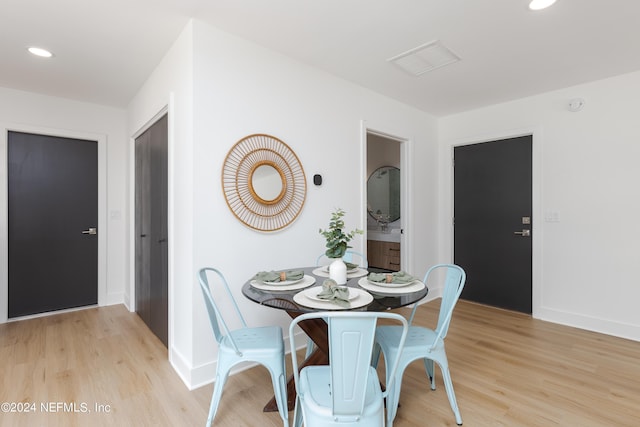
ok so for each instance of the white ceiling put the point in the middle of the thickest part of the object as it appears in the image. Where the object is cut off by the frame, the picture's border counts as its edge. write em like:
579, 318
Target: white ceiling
105, 49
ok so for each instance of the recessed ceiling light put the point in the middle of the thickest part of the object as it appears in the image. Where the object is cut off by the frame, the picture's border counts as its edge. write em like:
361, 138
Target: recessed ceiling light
40, 52
540, 4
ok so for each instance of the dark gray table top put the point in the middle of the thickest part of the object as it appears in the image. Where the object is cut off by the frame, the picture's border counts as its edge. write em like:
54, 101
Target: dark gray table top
283, 300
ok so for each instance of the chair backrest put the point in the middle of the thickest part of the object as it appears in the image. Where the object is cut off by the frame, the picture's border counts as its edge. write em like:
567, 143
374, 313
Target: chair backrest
349, 256
351, 338
453, 284
219, 326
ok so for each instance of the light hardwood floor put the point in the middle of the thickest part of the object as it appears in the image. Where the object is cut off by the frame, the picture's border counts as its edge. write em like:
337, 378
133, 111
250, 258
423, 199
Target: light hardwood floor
507, 369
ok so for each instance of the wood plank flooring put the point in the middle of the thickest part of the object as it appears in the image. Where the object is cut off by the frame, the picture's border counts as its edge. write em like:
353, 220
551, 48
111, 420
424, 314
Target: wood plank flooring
102, 367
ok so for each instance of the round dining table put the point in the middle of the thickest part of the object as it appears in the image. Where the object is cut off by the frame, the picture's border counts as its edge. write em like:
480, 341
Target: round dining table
290, 299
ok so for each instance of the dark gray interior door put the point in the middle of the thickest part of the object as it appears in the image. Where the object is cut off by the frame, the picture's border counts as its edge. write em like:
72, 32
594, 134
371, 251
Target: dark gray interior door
492, 228
53, 218
151, 229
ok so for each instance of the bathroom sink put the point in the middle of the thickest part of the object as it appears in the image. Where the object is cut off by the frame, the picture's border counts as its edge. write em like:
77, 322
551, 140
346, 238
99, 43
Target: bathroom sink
388, 236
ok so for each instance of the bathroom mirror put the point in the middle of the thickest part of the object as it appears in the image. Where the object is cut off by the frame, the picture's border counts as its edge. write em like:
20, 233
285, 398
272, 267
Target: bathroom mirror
263, 182
383, 194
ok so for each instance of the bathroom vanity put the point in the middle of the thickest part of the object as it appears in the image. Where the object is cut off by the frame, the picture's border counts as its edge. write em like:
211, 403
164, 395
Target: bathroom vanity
383, 250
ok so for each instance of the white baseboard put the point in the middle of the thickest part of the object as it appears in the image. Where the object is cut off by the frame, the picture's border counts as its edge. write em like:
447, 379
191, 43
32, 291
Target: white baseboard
198, 376
113, 299
594, 324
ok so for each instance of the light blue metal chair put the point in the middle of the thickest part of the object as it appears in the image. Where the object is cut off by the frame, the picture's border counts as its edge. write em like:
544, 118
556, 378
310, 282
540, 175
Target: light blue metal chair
349, 256
263, 345
422, 343
347, 392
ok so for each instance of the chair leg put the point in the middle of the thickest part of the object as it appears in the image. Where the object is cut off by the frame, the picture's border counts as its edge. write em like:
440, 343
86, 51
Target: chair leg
393, 394
448, 385
428, 364
310, 346
375, 355
221, 379
280, 391
297, 414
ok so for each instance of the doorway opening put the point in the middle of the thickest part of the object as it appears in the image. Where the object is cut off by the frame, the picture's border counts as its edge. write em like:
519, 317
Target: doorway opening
384, 202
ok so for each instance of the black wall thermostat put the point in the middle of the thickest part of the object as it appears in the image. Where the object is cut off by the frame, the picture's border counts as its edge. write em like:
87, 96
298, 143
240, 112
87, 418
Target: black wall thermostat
317, 179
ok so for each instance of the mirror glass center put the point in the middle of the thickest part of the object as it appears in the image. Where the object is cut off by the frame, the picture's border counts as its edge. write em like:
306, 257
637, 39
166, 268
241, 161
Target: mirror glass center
383, 194
266, 182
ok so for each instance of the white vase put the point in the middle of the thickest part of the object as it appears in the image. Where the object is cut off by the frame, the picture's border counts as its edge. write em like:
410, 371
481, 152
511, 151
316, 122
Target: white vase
338, 271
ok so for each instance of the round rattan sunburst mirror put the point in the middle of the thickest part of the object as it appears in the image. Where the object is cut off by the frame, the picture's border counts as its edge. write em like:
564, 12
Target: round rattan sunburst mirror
263, 182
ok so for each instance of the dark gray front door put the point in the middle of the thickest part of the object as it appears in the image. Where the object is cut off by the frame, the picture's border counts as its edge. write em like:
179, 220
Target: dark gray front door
53, 205
492, 214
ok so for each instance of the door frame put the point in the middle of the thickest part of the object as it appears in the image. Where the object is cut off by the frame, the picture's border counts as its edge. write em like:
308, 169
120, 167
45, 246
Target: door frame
101, 139
536, 207
406, 151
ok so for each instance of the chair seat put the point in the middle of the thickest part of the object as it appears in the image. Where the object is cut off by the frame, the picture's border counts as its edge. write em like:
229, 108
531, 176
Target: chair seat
322, 396
258, 341
315, 393
418, 339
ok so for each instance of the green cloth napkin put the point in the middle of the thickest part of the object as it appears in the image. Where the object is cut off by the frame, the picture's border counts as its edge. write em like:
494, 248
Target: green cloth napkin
334, 293
399, 277
350, 265
276, 276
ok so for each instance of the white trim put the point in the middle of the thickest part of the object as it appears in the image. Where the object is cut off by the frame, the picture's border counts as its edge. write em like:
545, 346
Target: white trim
363, 188
103, 297
590, 323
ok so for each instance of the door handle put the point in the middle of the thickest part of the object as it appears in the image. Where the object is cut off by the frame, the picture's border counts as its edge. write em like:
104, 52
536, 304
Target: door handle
91, 230
523, 233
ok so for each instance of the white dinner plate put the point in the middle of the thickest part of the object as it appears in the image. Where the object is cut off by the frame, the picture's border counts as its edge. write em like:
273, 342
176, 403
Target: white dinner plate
281, 282
312, 293
362, 299
306, 281
373, 287
351, 274
391, 285
325, 269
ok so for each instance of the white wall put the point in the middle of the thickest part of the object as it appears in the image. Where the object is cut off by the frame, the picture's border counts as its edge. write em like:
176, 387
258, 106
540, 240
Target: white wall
585, 170
30, 112
239, 88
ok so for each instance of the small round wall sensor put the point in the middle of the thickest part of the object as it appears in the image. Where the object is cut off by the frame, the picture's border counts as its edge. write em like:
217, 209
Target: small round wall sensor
317, 179
576, 104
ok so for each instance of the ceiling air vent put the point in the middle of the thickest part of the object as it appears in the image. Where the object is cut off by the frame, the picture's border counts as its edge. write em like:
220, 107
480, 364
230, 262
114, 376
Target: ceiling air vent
425, 58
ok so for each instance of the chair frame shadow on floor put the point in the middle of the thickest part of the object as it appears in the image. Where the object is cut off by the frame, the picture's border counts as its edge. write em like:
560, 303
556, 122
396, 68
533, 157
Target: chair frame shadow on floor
422, 343
347, 392
263, 345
